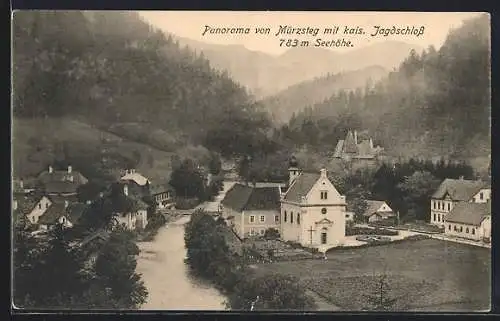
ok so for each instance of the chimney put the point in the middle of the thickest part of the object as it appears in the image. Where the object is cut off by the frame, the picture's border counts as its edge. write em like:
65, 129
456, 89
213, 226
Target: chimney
355, 137
51, 170
70, 169
65, 203
125, 190
323, 173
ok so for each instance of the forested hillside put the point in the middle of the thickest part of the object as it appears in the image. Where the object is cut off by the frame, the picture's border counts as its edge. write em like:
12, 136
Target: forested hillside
107, 68
436, 104
293, 99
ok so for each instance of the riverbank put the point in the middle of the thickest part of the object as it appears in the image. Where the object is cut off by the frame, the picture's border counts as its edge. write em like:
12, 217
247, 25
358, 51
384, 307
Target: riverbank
170, 287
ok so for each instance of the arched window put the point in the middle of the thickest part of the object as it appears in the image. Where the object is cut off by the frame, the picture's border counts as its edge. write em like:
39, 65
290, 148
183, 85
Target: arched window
298, 218
323, 210
324, 235
284, 218
473, 231
449, 227
291, 217
467, 230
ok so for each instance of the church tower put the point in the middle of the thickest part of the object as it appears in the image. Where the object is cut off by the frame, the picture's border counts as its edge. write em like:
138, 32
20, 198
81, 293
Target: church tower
293, 170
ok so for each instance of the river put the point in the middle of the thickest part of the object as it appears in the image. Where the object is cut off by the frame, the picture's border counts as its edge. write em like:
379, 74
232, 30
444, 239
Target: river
161, 263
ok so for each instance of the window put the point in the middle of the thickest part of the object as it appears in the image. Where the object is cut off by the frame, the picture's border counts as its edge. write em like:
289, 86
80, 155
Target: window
449, 227
324, 195
46, 205
481, 196
252, 218
323, 237
291, 217
284, 219
39, 205
454, 228
461, 229
439, 217
448, 207
473, 231
434, 217
276, 218
262, 218
467, 230
434, 204
298, 218
323, 210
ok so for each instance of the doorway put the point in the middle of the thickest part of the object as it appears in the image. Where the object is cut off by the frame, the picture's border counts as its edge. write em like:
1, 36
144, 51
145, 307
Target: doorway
323, 237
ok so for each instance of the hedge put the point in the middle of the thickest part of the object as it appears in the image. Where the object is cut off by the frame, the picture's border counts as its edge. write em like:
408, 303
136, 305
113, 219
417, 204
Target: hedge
350, 231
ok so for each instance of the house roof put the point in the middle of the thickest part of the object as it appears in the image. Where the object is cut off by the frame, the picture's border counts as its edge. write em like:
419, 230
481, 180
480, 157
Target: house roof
61, 187
338, 149
100, 234
62, 175
372, 207
160, 188
301, 186
469, 213
73, 212
136, 177
458, 189
241, 197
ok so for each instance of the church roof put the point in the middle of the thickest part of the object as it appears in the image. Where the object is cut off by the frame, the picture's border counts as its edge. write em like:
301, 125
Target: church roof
301, 186
338, 149
242, 197
469, 213
459, 189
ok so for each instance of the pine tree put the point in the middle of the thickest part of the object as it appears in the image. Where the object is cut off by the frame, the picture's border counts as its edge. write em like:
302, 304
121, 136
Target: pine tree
380, 298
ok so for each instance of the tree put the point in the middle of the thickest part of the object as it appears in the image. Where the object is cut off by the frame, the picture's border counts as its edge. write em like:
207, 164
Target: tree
417, 190
115, 269
187, 180
380, 298
269, 292
271, 234
356, 200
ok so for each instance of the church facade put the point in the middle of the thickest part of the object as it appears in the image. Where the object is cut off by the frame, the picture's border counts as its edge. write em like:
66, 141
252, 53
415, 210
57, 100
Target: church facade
312, 211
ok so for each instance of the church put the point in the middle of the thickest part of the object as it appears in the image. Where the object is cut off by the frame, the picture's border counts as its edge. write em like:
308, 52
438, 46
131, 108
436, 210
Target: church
312, 210
309, 211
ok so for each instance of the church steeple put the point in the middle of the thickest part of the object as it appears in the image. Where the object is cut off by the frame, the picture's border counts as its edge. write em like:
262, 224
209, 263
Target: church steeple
293, 170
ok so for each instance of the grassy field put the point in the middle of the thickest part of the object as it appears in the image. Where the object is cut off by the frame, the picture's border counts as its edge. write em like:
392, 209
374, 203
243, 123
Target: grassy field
425, 275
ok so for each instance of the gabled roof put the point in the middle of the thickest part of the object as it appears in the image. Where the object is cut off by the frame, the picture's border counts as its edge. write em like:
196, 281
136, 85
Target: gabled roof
301, 186
241, 197
372, 207
350, 144
136, 177
458, 189
57, 209
160, 188
469, 213
61, 187
338, 149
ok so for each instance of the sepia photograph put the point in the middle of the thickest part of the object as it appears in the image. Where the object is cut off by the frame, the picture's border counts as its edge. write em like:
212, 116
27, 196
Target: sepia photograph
279, 161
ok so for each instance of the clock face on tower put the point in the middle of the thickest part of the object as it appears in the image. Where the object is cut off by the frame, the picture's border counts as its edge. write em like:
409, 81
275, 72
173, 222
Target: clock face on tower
323, 210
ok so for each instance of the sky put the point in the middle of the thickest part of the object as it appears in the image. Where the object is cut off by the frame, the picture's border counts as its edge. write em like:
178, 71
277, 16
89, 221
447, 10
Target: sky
191, 24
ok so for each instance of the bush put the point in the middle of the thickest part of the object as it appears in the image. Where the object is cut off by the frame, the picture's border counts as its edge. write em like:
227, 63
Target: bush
271, 234
350, 231
182, 203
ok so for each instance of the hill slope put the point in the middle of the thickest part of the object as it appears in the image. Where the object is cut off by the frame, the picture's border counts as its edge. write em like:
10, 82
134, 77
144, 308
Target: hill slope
435, 104
293, 99
266, 75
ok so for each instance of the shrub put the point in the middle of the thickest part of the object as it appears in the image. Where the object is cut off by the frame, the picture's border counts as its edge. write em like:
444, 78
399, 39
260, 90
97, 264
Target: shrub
182, 203
350, 231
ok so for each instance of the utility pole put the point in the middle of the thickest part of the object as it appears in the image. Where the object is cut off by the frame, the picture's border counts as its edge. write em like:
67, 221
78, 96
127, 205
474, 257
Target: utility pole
311, 239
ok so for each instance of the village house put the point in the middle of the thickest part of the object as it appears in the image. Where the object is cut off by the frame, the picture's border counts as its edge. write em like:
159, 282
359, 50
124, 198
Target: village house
471, 220
251, 210
163, 195
34, 210
377, 211
312, 210
355, 147
63, 183
129, 210
454, 191
90, 247
65, 213
138, 185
